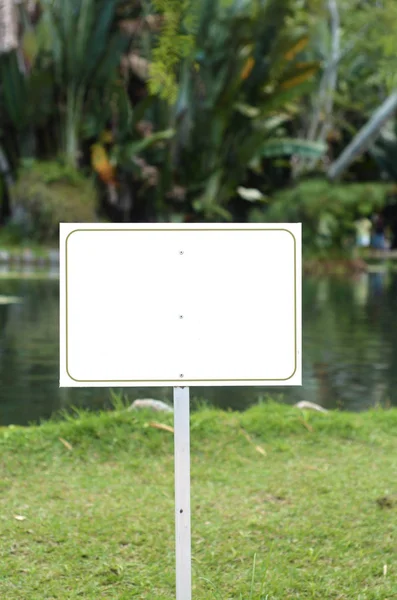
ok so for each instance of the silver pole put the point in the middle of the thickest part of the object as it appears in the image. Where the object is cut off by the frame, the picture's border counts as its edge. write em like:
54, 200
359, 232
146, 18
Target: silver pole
182, 493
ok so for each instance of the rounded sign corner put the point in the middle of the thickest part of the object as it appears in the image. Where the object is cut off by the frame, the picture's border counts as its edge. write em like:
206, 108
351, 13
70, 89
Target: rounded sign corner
70, 234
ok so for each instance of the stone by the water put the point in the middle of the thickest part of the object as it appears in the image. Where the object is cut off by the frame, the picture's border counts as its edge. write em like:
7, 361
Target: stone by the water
310, 406
157, 405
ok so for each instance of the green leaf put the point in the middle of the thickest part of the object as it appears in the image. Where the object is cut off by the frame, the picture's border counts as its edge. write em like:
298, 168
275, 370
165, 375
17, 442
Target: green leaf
209, 196
248, 111
219, 211
287, 147
138, 112
13, 87
272, 123
133, 148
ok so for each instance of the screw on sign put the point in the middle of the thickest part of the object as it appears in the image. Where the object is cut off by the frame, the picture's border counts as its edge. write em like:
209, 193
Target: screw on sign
240, 286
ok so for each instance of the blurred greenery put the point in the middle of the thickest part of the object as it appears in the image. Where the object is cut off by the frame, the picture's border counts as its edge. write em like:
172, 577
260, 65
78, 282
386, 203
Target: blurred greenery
192, 111
46, 194
327, 211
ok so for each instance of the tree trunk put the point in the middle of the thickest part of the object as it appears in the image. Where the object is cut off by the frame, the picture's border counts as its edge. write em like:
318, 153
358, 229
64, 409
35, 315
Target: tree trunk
322, 115
74, 107
8, 26
364, 138
332, 69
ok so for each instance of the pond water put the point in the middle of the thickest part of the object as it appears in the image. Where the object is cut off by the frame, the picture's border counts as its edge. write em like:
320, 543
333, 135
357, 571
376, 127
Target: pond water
349, 351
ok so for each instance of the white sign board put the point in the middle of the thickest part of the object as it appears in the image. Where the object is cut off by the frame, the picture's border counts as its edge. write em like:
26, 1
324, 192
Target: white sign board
180, 305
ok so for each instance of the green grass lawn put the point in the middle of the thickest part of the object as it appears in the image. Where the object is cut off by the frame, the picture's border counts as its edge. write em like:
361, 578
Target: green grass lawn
285, 505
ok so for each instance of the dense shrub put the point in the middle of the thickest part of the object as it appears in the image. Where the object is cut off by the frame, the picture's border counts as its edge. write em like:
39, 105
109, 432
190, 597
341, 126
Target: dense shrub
47, 193
327, 211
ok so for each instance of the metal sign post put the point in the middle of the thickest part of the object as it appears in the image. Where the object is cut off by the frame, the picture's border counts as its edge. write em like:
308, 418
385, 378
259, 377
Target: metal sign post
182, 493
236, 321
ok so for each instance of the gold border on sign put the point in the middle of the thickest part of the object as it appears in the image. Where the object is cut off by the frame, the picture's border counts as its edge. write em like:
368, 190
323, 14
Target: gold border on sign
172, 381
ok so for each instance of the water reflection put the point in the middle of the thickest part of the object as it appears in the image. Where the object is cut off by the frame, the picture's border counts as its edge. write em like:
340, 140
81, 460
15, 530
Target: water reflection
349, 350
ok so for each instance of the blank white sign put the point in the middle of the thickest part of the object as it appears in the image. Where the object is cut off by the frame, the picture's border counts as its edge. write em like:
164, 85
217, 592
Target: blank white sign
180, 305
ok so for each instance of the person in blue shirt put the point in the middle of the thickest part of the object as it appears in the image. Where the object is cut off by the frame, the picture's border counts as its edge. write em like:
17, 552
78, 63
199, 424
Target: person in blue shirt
378, 236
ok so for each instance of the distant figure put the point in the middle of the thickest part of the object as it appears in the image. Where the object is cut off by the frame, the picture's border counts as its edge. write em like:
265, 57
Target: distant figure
378, 237
390, 215
363, 232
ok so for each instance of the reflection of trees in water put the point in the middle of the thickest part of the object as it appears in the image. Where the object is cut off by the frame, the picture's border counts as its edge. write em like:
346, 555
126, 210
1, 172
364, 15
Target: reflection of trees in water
361, 290
29, 348
349, 351
390, 336
29, 356
349, 347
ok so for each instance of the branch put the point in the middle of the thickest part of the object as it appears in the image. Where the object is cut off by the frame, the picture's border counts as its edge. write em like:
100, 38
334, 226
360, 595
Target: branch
364, 137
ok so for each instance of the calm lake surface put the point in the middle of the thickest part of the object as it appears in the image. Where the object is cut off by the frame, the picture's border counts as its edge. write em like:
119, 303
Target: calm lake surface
349, 351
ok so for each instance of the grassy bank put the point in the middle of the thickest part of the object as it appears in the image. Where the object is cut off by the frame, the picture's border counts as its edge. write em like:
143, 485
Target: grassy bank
87, 506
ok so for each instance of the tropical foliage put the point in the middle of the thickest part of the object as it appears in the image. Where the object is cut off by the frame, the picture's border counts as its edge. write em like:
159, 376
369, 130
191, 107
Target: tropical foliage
327, 211
189, 111
46, 194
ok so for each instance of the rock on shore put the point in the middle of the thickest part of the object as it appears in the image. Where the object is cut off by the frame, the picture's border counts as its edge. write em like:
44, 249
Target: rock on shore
156, 405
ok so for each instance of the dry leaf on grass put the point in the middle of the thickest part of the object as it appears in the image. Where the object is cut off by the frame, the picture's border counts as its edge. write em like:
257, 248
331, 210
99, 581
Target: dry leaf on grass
249, 439
162, 427
66, 444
